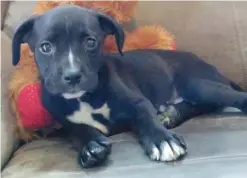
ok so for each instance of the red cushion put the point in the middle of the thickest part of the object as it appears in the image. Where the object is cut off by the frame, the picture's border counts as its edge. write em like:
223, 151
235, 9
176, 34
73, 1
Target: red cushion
32, 113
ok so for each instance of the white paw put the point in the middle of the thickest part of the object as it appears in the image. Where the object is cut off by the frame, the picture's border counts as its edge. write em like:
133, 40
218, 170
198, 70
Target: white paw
167, 152
155, 155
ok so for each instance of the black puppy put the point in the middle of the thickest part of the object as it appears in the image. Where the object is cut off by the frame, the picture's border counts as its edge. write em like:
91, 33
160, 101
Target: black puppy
94, 95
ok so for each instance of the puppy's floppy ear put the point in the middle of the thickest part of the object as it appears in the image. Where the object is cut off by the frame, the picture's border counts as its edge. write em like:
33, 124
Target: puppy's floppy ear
110, 26
22, 35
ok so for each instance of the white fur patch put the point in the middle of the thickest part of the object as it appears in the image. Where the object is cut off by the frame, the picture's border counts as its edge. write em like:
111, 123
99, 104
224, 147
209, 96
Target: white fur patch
73, 95
178, 100
104, 110
155, 155
71, 58
162, 108
170, 152
167, 152
231, 109
84, 116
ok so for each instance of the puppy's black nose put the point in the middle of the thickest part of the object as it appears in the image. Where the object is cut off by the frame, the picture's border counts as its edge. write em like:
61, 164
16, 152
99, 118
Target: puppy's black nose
72, 78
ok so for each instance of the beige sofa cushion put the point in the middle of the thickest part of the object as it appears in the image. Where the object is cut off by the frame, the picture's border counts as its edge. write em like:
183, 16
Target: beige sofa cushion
213, 141
8, 135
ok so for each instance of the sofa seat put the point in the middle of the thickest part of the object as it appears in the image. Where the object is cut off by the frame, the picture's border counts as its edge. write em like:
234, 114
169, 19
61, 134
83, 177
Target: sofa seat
216, 31
216, 148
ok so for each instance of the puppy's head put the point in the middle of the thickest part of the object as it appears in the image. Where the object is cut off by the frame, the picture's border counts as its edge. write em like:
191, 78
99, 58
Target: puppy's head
67, 42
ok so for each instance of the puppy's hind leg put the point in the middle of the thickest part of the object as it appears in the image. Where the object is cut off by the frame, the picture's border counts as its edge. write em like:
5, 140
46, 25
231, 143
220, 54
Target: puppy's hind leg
179, 111
177, 114
207, 92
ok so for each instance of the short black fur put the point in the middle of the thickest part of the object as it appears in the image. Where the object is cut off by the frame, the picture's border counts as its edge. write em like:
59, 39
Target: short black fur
134, 86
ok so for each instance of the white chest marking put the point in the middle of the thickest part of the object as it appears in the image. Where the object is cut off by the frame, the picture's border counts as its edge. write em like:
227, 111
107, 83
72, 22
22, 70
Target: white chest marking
84, 116
104, 110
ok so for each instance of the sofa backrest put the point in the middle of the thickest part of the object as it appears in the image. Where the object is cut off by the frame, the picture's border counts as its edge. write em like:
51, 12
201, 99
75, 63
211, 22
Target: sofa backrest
216, 31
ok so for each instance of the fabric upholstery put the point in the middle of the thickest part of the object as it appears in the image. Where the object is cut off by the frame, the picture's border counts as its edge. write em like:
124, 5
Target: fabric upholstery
8, 134
213, 142
215, 31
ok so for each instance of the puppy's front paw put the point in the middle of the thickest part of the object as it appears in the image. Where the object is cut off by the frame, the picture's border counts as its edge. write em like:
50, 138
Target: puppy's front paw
94, 153
164, 146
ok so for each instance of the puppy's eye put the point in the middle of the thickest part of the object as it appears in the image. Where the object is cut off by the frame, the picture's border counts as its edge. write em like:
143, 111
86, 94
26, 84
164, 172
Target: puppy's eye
46, 48
91, 43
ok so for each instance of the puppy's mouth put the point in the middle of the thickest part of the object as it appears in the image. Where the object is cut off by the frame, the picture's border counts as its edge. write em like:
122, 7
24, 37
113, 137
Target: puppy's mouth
73, 95
57, 87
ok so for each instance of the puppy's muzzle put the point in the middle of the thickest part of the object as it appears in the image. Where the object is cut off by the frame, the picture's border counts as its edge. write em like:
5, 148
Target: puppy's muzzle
72, 76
